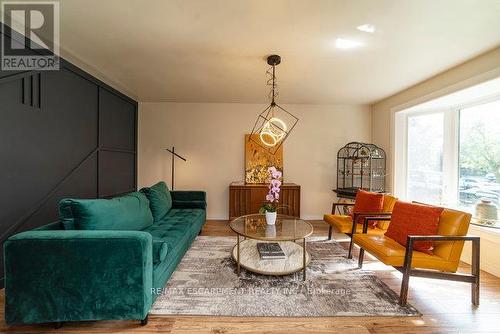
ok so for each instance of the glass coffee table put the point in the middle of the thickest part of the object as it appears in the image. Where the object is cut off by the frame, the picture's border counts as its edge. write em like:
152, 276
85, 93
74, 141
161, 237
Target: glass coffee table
286, 231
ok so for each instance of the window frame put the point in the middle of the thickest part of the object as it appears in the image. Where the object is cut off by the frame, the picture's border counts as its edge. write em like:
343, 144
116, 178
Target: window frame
451, 147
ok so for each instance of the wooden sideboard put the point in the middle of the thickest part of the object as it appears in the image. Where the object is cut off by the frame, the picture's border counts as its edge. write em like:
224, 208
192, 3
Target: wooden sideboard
245, 199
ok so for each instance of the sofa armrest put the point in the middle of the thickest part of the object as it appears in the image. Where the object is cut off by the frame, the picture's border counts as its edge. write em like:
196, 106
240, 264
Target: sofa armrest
186, 199
59, 275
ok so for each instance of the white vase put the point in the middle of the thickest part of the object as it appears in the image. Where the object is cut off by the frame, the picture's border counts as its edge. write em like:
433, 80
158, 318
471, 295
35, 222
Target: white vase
486, 210
271, 217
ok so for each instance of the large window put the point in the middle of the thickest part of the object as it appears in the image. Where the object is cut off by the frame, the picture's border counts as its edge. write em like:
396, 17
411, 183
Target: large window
425, 157
479, 163
449, 155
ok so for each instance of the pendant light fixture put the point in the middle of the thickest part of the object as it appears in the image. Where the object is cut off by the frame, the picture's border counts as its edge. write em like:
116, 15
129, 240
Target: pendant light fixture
274, 124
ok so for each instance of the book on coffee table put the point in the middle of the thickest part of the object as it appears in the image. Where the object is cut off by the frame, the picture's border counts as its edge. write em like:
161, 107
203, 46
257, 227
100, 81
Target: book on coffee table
270, 251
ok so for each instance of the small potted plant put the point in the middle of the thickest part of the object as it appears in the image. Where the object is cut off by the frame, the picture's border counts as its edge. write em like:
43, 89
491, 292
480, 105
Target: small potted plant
272, 197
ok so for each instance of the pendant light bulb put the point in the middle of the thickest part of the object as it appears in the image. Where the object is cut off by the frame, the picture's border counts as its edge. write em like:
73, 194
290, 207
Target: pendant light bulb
273, 131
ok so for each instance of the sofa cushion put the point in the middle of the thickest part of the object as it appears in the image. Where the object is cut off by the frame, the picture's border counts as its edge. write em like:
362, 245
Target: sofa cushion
129, 212
414, 219
174, 235
182, 215
160, 250
160, 200
176, 226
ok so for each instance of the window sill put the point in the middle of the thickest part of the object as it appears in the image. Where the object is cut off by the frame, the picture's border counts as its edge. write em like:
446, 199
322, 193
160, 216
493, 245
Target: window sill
491, 234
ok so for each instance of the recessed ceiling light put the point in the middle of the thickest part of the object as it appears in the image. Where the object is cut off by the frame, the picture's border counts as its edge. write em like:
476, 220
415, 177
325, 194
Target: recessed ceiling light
369, 28
342, 43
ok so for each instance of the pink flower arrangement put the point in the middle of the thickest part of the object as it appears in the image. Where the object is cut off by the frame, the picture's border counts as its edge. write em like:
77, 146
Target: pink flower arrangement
274, 190
274, 185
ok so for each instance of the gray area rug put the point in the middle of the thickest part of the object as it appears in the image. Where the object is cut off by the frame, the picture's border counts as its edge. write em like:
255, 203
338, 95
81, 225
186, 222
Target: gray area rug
205, 283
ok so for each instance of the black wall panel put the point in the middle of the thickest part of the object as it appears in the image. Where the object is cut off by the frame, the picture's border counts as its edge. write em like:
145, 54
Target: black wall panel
117, 138
116, 122
116, 173
62, 134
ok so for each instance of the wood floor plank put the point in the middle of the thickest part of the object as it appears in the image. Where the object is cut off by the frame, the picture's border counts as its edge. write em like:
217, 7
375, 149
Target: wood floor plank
445, 306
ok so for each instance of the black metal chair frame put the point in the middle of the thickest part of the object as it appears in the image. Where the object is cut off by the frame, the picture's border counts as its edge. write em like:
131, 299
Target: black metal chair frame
408, 271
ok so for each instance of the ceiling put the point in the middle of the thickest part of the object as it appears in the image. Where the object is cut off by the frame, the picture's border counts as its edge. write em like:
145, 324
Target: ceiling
215, 50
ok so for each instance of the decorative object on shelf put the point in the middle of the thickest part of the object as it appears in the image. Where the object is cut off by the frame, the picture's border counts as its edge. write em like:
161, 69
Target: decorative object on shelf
258, 160
174, 155
270, 250
274, 124
486, 210
273, 196
360, 166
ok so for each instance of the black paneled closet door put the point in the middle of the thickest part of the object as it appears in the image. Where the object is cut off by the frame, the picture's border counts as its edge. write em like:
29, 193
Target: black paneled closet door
62, 134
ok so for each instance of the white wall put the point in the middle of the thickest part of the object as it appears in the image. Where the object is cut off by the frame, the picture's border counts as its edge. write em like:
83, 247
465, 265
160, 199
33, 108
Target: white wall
211, 137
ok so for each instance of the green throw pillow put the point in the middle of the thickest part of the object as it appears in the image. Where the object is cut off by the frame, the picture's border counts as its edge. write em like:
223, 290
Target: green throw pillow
129, 212
160, 200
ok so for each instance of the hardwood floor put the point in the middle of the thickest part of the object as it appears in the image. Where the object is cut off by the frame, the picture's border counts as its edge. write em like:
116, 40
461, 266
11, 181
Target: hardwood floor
445, 306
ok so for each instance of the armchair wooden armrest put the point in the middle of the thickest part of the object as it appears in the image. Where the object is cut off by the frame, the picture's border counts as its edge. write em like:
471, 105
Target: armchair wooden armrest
367, 217
407, 270
414, 238
335, 205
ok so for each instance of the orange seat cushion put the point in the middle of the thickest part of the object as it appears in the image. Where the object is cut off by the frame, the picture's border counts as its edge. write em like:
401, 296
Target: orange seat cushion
414, 219
343, 224
367, 201
392, 253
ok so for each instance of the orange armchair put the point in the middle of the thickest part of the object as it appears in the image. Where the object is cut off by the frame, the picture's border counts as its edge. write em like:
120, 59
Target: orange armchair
442, 264
346, 223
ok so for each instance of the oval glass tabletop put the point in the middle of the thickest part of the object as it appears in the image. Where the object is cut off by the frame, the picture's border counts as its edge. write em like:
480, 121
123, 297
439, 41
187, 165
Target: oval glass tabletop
286, 228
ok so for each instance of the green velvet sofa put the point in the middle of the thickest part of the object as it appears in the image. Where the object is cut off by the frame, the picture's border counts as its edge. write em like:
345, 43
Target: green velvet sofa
104, 258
